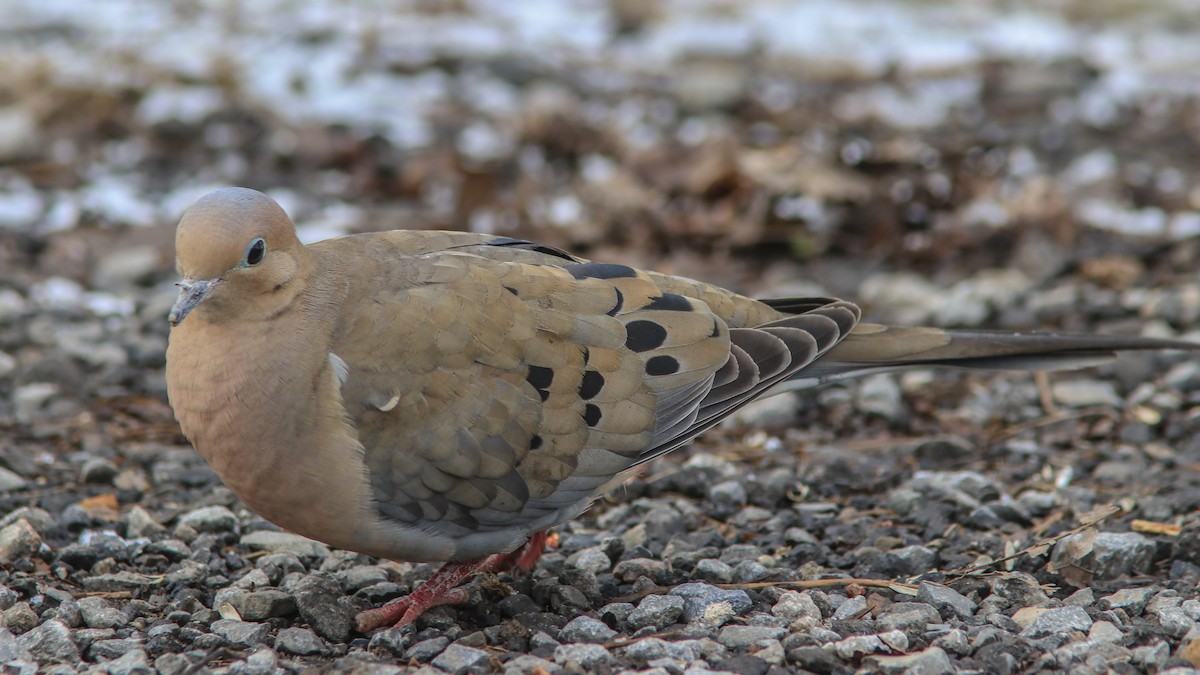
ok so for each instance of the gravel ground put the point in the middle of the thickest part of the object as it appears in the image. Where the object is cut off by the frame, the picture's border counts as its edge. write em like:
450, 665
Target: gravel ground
962, 166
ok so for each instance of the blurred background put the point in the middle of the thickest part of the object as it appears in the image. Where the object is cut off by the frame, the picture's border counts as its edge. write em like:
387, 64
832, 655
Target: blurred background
977, 163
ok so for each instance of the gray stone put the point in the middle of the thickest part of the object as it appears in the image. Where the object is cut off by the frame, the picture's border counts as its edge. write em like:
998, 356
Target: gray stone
139, 523
317, 601
909, 616
458, 659
851, 608
944, 598
263, 604
425, 650
10, 649
50, 643
10, 480
395, 641
99, 613
656, 610
8, 597
1059, 620
262, 662
797, 605
210, 519
528, 663
749, 571
1132, 600
1175, 621
931, 661
954, 641
241, 633
651, 649
132, 662
857, 646
361, 576
172, 664
715, 571
880, 395
592, 559
587, 629
1113, 554
124, 581
587, 658
285, 542
703, 602
1105, 631
743, 637
40, 519
18, 540
20, 617
299, 641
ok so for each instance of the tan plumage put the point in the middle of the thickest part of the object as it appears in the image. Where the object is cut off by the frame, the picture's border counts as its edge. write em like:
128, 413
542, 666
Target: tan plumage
444, 395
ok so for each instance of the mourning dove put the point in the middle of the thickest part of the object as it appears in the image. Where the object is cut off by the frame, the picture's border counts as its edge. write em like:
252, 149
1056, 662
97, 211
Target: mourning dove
447, 396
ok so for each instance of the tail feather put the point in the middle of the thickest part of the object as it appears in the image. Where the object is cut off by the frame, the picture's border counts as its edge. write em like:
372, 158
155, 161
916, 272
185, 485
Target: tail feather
873, 348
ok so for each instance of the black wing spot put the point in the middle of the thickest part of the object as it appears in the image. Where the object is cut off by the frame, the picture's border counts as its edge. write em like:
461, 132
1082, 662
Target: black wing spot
532, 246
512, 290
592, 383
544, 394
662, 365
642, 336
620, 303
540, 377
602, 271
591, 414
535, 442
671, 302
716, 331
587, 354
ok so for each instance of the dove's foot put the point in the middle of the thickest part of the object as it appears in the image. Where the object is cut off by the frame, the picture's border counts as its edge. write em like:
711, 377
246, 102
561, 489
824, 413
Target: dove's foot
440, 589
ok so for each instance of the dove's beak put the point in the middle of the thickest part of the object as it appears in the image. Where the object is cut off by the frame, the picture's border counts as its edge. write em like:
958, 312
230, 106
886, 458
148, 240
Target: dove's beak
191, 292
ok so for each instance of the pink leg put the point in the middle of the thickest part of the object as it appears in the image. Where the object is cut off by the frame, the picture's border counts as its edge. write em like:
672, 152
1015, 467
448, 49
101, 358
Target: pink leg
440, 588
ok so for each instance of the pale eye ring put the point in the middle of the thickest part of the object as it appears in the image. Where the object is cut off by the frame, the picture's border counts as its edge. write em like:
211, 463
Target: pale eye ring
255, 252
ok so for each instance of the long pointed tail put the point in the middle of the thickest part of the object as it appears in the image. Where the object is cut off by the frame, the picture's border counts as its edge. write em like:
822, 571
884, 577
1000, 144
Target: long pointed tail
873, 348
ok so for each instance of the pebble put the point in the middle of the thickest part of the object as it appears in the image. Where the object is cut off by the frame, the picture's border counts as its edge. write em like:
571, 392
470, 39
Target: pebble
18, 540
946, 599
1112, 554
1046, 622
285, 542
458, 659
931, 661
587, 629
710, 604
587, 658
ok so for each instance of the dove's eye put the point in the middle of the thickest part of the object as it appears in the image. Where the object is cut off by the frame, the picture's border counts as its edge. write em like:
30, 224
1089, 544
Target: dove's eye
255, 252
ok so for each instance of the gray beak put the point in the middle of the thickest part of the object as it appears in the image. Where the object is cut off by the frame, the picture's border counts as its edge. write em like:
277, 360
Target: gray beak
191, 292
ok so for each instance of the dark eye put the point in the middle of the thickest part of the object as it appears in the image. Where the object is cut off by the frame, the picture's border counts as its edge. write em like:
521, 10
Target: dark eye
255, 252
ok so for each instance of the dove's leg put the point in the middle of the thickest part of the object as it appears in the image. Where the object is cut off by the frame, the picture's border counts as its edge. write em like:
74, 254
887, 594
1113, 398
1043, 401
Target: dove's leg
440, 588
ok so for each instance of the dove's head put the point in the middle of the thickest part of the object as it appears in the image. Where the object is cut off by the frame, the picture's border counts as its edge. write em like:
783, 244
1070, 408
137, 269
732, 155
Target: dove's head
236, 250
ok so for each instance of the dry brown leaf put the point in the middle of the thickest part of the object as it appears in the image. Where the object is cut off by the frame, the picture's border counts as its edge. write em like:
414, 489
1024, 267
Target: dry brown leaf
1154, 527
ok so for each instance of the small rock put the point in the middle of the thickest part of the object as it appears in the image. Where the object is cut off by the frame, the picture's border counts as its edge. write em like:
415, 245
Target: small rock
944, 598
702, 602
657, 610
458, 659
263, 604
50, 643
1059, 620
17, 541
528, 663
426, 650
241, 633
909, 616
10, 481
285, 542
954, 641
795, 605
20, 617
1083, 393
262, 662
743, 637
1175, 621
210, 519
587, 629
11, 650
857, 646
1105, 631
139, 523
587, 658
652, 649
1113, 554
592, 559
881, 395
98, 613
851, 608
1132, 600
932, 661
710, 569
316, 599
